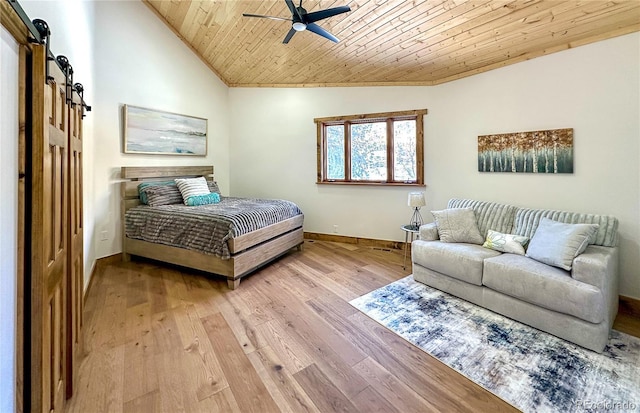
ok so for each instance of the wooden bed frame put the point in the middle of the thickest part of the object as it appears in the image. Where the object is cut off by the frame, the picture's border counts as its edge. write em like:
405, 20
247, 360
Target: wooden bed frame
248, 252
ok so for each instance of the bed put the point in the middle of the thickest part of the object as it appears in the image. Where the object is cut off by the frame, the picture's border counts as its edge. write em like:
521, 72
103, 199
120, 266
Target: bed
243, 253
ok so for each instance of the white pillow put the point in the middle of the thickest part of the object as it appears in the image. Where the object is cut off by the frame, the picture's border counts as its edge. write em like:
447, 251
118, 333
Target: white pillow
510, 243
192, 187
557, 244
458, 225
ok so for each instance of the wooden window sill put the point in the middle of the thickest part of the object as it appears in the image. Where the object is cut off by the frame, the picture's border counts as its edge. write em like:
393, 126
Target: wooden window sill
370, 183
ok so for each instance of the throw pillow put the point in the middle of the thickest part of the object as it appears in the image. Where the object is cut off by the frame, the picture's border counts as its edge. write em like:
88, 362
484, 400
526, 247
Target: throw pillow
458, 225
213, 187
510, 243
143, 195
557, 244
157, 195
211, 198
192, 187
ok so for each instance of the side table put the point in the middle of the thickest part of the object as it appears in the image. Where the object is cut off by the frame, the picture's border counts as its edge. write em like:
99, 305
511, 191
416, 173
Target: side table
415, 233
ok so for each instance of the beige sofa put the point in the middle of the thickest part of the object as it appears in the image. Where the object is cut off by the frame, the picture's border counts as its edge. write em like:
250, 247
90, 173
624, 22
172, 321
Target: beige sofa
577, 305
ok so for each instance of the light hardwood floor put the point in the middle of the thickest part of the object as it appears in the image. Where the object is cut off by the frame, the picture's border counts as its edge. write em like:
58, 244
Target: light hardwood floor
168, 339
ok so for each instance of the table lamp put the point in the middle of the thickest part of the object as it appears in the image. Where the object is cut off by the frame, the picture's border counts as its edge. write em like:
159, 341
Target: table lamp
416, 200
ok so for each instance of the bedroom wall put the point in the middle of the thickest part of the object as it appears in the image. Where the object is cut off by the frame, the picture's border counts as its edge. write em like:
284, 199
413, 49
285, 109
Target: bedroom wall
124, 54
70, 23
139, 61
593, 89
8, 216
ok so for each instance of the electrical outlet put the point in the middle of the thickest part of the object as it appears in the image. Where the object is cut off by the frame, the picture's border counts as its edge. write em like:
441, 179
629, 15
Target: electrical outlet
335, 229
104, 236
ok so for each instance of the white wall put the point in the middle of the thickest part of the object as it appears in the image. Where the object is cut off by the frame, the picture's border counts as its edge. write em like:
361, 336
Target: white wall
123, 54
593, 89
139, 61
8, 216
71, 24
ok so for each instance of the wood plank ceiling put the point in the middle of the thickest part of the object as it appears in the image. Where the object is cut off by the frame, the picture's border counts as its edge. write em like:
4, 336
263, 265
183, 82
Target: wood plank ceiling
395, 42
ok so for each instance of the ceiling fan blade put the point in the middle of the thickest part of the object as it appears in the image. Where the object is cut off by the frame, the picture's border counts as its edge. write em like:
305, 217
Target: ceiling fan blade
323, 14
289, 35
293, 9
265, 17
312, 27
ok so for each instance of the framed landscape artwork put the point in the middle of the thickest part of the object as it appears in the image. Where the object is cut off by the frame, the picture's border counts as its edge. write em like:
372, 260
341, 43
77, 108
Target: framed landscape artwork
152, 131
547, 151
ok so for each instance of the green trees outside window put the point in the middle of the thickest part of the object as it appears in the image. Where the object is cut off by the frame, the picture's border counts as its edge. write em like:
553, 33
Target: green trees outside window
382, 148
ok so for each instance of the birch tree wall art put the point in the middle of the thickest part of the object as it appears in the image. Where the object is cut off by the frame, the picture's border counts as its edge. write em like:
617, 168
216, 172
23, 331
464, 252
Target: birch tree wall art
548, 151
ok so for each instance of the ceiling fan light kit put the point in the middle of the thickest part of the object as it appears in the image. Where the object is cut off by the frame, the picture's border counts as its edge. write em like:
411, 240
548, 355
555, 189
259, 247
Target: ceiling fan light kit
299, 26
302, 20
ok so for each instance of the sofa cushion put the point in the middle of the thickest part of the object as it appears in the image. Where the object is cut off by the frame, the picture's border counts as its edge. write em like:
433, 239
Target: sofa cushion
461, 261
458, 225
489, 215
527, 220
557, 244
540, 284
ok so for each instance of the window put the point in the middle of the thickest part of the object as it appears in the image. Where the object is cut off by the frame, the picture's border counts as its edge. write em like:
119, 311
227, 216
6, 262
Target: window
378, 148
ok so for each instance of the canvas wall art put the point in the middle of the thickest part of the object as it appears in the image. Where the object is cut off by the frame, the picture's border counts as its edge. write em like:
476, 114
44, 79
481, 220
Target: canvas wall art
547, 151
157, 132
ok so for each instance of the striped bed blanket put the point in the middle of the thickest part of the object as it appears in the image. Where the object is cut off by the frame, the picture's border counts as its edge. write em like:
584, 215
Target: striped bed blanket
206, 228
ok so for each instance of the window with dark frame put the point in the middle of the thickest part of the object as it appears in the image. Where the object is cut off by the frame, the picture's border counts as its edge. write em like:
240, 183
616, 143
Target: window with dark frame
374, 149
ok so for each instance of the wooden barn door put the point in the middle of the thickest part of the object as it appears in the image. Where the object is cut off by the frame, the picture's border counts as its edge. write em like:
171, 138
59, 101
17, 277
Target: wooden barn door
75, 280
49, 203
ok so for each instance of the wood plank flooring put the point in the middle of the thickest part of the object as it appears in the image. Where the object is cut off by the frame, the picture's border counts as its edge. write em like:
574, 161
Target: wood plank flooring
167, 339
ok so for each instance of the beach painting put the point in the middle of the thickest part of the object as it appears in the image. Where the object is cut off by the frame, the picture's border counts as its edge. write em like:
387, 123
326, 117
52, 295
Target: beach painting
156, 132
547, 151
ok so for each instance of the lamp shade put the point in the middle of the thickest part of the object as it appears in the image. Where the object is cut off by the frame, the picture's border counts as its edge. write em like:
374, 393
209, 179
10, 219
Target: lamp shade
416, 199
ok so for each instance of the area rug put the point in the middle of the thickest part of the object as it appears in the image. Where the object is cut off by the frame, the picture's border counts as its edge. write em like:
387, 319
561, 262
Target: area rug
532, 370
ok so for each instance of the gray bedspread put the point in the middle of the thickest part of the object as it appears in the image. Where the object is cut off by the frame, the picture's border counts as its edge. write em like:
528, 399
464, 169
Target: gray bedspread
206, 228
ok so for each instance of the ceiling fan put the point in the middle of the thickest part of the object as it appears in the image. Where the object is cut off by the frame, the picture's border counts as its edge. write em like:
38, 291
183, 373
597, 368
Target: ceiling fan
301, 20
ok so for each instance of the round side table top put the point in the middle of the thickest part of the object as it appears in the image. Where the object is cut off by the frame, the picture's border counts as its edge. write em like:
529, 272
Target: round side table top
410, 228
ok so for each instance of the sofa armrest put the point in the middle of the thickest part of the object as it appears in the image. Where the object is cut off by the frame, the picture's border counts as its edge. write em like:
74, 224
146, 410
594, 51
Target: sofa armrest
598, 266
429, 232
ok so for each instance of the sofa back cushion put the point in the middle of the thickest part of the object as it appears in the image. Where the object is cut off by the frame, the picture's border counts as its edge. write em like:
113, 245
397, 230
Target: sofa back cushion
490, 215
527, 220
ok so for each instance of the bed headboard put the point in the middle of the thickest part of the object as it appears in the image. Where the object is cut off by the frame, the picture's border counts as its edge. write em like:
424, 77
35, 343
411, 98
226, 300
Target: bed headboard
134, 175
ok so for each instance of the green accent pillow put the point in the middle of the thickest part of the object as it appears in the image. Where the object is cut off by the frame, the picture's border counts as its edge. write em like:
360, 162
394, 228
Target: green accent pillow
510, 243
195, 200
557, 244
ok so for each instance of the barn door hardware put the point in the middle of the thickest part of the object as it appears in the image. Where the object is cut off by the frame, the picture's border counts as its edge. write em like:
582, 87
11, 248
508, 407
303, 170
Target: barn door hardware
45, 38
67, 69
80, 90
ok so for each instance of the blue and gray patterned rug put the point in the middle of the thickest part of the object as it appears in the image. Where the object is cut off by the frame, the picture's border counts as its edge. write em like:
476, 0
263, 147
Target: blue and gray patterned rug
532, 370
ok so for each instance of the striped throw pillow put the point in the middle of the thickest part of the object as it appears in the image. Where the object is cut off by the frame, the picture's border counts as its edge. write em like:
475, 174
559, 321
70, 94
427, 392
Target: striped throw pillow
192, 187
162, 195
143, 194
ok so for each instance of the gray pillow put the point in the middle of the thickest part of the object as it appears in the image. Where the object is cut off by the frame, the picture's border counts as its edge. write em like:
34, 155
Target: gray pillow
159, 195
213, 187
557, 244
458, 225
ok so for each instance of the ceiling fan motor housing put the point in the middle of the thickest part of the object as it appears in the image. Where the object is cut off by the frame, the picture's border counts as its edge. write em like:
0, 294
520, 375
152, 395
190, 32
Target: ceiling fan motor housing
298, 19
299, 16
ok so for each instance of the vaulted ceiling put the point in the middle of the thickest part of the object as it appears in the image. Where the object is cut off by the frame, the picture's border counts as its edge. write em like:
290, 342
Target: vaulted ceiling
394, 42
